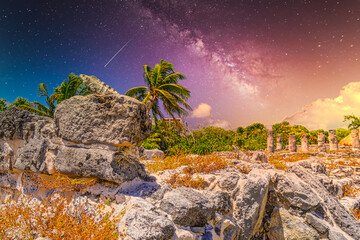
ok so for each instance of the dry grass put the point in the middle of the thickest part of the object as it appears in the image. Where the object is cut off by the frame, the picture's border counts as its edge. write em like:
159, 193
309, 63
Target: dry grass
279, 161
356, 213
199, 164
52, 218
349, 191
185, 180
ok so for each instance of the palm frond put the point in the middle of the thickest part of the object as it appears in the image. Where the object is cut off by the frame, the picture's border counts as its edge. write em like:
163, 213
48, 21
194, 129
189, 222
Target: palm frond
176, 88
173, 78
137, 92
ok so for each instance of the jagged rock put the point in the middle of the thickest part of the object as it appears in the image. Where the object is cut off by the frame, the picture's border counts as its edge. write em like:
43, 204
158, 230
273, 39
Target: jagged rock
228, 181
150, 154
107, 119
104, 164
250, 204
222, 201
143, 225
284, 226
350, 202
95, 85
6, 156
32, 156
333, 235
182, 234
319, 224
342, 217
188, 207
7, 181
296, 192
16, 123
230, 230
259, 157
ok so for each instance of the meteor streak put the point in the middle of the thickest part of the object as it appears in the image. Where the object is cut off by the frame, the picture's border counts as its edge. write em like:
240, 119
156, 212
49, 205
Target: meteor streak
117, 53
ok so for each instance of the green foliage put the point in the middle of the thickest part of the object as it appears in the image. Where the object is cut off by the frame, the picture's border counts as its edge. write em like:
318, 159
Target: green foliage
3, 105
71, 86
354, 121
341, 133
253, 137
172, 139
162, 87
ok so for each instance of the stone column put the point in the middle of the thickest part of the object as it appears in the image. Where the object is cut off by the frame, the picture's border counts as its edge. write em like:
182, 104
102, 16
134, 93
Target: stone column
270, 141
292, 143
321, 142
278, 143
304, 143
333, 142
355, 139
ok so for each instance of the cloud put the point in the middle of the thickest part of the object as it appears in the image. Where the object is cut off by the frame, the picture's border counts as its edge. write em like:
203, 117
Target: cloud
219, 123
328, 113
202, 111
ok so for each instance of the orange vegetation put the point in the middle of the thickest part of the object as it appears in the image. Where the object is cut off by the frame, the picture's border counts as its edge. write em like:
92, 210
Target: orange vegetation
52, 219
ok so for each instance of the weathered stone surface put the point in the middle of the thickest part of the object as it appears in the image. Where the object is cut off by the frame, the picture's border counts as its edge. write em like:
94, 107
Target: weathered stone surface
6, 156
108, 119
250, 204
284, 226
319, 224
342, 217
188, 207
355, 139
278, 143
294, 191
32, 156
105, 164
270, 141
7, 181
304, 143
228, 181
321, 142
230, 230
333, 142
222, 201
95, 85
144, 224
259, 156
292, 143
16, 123
150, 154
350, 202
333, 235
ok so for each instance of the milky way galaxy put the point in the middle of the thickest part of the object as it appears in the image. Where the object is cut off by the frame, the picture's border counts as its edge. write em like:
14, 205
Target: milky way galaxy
246, 60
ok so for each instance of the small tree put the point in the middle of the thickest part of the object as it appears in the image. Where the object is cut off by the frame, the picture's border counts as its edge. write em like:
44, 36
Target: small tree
355, 121
3, 105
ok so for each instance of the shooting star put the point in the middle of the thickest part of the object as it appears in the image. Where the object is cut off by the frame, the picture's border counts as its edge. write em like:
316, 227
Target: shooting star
117, 52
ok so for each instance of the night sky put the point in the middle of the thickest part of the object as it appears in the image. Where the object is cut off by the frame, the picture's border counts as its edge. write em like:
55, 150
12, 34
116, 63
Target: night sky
245, 61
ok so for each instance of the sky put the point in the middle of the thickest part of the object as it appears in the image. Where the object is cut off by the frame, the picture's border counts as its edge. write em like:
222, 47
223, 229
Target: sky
245, 61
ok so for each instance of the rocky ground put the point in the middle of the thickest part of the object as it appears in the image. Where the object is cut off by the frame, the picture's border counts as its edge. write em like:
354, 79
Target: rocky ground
89, 153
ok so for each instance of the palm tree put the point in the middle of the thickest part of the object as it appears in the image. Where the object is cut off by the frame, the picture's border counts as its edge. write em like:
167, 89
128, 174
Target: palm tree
71, 86
162, 86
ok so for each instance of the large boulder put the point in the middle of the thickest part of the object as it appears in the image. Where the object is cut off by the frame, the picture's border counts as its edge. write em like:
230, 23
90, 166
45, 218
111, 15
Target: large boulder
250, 204
188, 207
107, 119
295, 192
153, 153
105, 164
285, 226
16, 123
6, 155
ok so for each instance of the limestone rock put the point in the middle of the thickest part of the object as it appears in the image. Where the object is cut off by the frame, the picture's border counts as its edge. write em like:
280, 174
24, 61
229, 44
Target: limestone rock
250, 204
333, 235
7, 181
319, 224
222, 201
150, 154
342, 217
107, 119
188, 207
228, 181
259, 156
16, 123
32, 156
296, 192
285, 226
104, 164
6, 155
143, 225
95, 85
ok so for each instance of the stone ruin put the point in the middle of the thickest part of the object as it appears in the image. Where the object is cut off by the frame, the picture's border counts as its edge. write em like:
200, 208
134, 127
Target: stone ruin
322, 146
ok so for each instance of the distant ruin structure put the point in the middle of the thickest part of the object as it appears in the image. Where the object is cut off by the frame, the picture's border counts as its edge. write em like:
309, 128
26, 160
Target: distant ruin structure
355, 139
270, 141
292, 143
304, 143
321, 142
333, 142
278, 143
